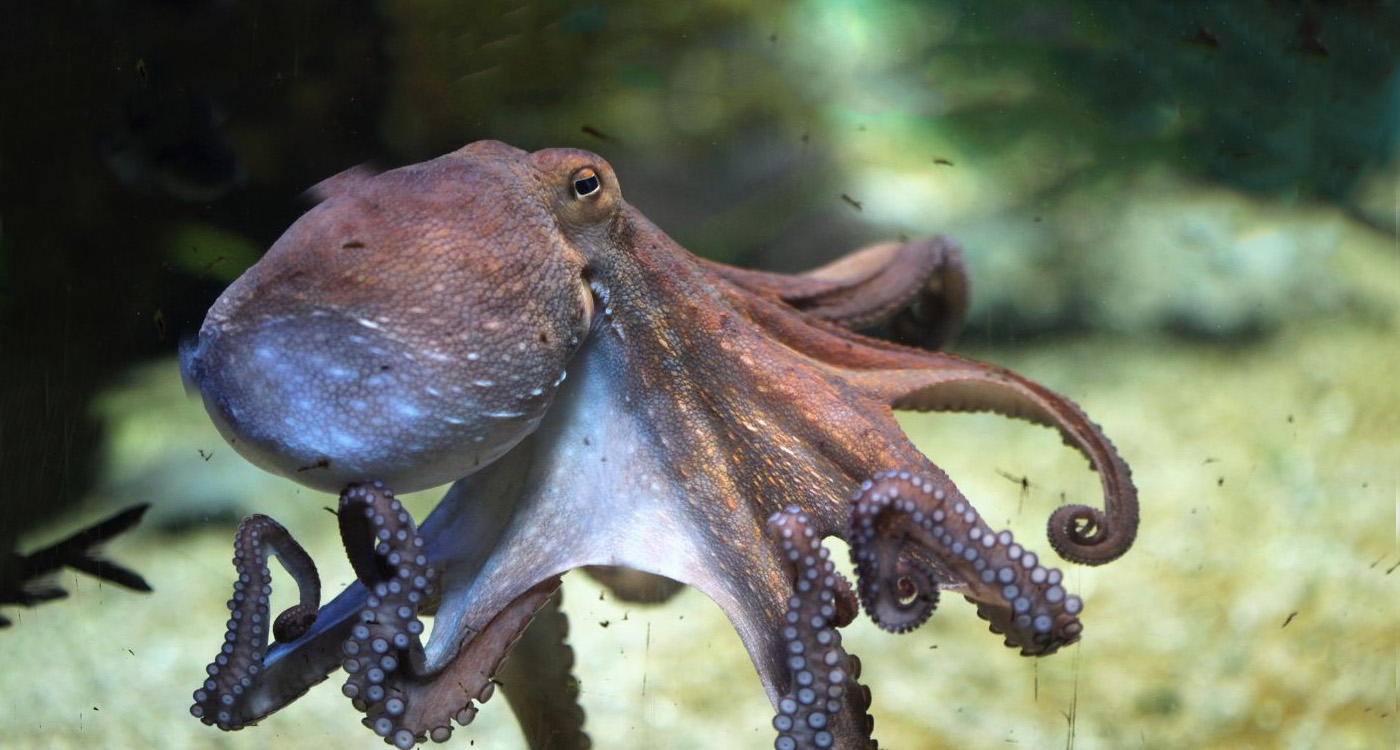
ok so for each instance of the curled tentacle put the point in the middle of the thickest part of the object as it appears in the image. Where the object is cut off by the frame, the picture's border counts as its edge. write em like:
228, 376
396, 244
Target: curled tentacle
1079, 533
1086, 535
223, 699
823, 696
909, 379
387, 680
898, 516
902, 593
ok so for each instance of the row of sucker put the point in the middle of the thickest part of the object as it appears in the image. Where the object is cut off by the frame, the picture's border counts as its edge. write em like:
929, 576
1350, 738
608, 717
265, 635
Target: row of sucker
822, 675
384, 651
898, 516
240, 659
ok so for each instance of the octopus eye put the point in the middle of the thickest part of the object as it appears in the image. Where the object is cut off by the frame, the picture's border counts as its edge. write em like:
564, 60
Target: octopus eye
586, 183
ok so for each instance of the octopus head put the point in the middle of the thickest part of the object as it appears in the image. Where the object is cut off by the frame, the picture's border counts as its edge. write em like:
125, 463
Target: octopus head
410, 328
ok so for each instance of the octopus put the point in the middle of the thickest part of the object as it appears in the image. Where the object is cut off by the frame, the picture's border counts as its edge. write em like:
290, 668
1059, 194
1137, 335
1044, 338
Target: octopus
601, 399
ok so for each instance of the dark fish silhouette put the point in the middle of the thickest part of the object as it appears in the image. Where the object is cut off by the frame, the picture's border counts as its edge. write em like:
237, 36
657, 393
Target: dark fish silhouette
22, 580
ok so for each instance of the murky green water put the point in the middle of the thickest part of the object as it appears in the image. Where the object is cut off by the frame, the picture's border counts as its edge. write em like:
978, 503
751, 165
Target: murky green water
1235, 337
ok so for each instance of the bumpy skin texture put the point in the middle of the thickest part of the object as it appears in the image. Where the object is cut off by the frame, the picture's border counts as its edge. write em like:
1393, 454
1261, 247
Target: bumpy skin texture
416, 328
410, 328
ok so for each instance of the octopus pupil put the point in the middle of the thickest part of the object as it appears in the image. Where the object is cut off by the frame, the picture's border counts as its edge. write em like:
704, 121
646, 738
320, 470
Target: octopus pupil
587, 185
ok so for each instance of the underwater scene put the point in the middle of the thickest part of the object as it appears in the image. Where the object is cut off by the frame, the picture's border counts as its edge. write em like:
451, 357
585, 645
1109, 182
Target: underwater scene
936, 374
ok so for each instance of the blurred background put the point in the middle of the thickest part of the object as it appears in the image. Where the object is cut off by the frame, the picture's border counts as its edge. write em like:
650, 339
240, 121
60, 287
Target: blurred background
1181, 215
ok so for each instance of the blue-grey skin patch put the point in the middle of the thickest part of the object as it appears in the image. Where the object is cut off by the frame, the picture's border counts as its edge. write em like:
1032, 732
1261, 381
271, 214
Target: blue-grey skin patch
379, 339
327, 402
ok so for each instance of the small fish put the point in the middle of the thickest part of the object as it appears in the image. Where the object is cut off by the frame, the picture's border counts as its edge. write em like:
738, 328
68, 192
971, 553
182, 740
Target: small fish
1205, 38
857, 204
1309, 43
207, 267
1025, 483
596, 133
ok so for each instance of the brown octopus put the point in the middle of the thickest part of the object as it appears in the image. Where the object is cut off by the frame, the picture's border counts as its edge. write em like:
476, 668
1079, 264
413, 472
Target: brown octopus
414, 328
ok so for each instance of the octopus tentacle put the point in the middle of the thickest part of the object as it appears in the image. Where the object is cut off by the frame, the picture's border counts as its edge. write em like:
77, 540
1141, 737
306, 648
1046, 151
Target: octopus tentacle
906, 378
387, 680
919, 288
823, 689
897, 515
1079, 533
400, 581
223, 699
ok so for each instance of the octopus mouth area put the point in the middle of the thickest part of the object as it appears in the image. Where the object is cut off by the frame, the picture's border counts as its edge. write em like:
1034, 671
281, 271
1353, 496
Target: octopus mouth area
328, 400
